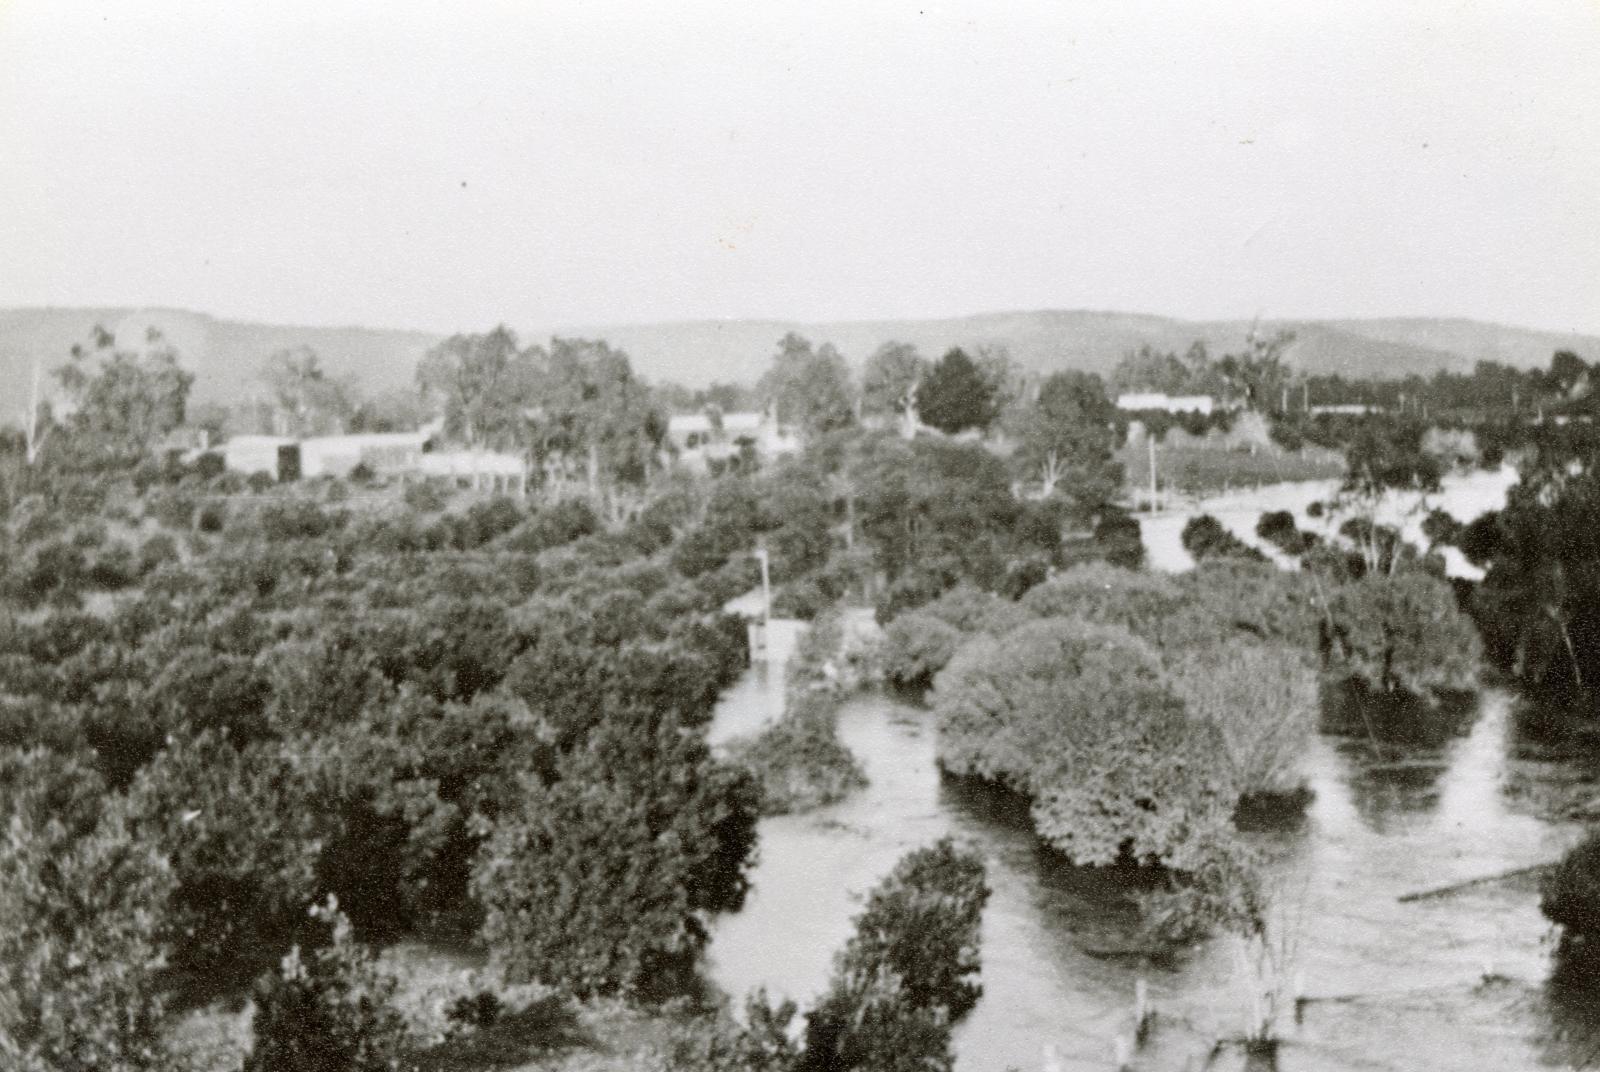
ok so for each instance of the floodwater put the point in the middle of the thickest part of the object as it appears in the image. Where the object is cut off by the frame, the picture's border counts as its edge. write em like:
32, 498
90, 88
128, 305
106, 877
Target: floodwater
1450, 982
1464, 496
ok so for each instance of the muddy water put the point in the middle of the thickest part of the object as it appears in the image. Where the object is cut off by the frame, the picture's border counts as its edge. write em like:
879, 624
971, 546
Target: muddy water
1463, 495
1392, 985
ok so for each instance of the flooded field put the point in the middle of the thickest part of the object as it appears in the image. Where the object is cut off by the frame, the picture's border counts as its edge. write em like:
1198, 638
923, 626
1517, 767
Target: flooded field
1447, 982
1464, 496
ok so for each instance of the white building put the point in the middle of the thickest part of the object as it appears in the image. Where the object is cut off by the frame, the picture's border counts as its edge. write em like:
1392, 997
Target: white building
1168, 403
698, 437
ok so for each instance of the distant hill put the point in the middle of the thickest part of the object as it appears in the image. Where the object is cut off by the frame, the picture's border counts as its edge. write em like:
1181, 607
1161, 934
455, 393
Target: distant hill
227, 356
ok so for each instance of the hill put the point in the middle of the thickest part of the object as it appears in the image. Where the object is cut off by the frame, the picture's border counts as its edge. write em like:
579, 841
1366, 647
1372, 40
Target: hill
227, 355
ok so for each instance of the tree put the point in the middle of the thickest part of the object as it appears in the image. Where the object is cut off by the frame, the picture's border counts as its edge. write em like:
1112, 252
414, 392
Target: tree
81, 908
956, 395
1081, 718
37, 420
1068, 435
1403, 634
592, 415
124, 401
306, 400
481, 384
596, 881
810, 388
890, 383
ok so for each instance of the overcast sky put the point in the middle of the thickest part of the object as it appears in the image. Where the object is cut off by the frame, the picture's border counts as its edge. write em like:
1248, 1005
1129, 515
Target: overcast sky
447, 166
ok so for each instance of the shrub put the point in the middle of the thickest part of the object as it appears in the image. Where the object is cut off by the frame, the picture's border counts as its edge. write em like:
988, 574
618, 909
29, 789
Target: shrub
596, 881
425, 497
719, 1043
798, 761
1205, 537
1082, 719
917, 646
554, 526
1142, 603
81, 907
1402, 634
242, 850
329, 1012
1569, 896
908, 971
213, 516
114, 568
156, 552
1262, 700
921, 922
172, 510
260, 483
296, 519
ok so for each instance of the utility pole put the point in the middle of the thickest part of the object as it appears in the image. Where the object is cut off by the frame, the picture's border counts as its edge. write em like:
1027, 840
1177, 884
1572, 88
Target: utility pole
1152, 441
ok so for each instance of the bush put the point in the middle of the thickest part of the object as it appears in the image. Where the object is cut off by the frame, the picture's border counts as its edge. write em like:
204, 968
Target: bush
719, 1043
242, 848
1080, 717
156, 552
1402, 634
329, 1012
426, 496
798, 761
907, 972
1205, 537
596, 881
921, 922
917, 646
1262, 700
213, 517
81, 906
1569, 896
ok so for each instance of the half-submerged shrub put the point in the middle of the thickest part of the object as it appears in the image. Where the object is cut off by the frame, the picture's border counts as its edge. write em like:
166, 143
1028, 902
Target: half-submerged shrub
1205, 537
1569, 896
1081, 718
1262, 699
1402, 635
909, 970
798, 761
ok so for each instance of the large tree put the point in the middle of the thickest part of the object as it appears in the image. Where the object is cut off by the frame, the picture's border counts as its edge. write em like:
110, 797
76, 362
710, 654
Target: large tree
810, 388
956, 395
306, 400
480, 384
1067, 436
890, 383
124, 401
591, 414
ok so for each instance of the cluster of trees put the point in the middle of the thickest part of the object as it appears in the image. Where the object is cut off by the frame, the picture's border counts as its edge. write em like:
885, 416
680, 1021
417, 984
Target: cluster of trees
475, 723
1256, 378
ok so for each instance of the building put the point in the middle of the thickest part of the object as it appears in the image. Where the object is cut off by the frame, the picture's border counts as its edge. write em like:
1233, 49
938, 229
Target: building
699, 437
1346, 409
406, 455
482, 470
1153, 400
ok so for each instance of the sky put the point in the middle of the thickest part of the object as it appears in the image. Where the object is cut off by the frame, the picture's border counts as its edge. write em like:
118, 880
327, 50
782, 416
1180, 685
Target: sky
450, 166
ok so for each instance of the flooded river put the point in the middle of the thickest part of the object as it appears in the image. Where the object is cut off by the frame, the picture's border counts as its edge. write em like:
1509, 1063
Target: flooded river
1449, 982
1462, 495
